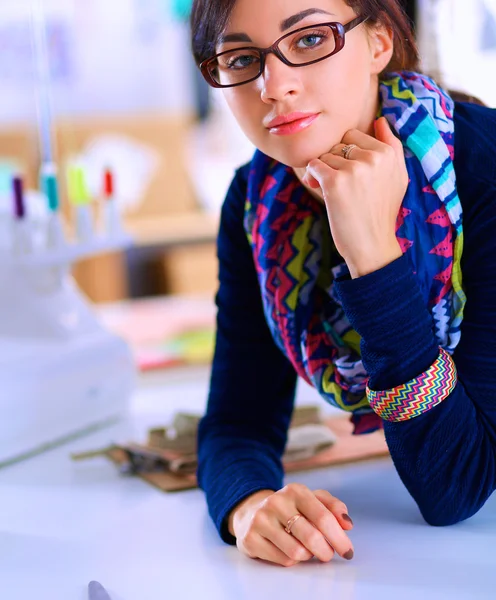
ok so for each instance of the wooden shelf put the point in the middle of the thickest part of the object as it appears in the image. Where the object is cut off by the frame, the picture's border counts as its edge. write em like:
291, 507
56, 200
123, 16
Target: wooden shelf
173, 230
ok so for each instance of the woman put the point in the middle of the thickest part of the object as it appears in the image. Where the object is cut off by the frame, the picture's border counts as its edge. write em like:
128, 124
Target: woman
356, 252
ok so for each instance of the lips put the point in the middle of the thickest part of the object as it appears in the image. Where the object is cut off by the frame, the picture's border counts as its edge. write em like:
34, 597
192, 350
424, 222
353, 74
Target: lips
292, 123
290, 118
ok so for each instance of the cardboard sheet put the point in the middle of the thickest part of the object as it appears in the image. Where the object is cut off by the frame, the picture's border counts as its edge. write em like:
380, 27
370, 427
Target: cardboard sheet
347, 449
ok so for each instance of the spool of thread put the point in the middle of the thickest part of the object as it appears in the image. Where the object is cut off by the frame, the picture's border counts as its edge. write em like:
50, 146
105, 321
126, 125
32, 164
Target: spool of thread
113, 225
78, 192
22, 240
108, 184
79, 196
19, 204
49, 186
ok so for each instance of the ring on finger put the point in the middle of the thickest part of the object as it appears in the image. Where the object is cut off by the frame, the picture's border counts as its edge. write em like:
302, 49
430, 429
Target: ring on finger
291, 522
347, 150
303, 533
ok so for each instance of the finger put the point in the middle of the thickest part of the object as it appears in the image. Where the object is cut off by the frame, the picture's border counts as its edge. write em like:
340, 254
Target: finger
288, 543
337, 507
307, 179
356, 153
324, 520
362, 140
312, 539
267, 550
324, 172
384, 134
320, 172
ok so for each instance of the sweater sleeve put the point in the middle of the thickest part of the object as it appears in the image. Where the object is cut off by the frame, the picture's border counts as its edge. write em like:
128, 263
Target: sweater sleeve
446, 457
243, 434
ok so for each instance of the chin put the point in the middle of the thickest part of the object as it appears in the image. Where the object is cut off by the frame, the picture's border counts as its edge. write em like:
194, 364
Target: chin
295, 156
296, 151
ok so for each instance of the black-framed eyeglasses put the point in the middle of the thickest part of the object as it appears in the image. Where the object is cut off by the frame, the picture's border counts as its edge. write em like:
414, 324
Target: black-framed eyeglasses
299, 48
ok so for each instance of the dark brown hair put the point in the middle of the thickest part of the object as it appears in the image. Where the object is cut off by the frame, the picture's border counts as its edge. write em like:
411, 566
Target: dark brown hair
209, 18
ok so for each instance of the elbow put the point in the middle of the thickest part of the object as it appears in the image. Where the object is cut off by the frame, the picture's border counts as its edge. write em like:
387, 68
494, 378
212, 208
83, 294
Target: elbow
447, 513
442, 519
446, 499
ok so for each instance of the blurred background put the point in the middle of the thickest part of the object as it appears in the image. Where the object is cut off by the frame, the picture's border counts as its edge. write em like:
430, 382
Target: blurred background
109, 87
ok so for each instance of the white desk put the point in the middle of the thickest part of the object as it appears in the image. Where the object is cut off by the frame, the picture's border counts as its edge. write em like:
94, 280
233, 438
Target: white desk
63, 524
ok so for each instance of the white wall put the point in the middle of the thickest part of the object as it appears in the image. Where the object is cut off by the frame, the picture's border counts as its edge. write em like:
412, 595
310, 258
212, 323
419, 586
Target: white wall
121, 55
457, 27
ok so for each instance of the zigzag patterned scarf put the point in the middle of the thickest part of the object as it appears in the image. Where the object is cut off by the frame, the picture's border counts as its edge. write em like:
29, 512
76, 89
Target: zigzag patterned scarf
296, 262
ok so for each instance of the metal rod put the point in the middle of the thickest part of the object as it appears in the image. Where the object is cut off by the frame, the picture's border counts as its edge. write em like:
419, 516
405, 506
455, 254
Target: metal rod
42, 80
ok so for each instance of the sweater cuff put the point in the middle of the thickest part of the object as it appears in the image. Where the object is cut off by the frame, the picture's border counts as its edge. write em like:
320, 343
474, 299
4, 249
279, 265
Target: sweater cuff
389, 312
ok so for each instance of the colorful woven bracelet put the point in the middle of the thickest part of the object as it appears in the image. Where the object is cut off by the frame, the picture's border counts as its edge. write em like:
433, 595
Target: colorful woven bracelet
418, 395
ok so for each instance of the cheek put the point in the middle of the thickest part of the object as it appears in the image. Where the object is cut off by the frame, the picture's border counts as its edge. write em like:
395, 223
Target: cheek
353, 73
346, 88
243, 109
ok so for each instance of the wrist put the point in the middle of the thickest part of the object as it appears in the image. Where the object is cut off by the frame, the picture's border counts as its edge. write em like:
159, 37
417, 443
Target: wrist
245, 506
374, 261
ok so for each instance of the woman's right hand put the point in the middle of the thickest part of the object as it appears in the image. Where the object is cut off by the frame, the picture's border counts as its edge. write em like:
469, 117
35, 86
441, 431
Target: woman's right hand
258, 524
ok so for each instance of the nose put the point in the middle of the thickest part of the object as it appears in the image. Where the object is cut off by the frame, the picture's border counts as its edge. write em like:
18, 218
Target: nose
278, 80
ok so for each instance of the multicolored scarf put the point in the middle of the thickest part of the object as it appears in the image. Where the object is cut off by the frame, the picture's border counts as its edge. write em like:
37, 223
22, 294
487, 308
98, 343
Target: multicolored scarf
296, 262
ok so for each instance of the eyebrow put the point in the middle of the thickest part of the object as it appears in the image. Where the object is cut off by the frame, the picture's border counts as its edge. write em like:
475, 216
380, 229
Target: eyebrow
285, 24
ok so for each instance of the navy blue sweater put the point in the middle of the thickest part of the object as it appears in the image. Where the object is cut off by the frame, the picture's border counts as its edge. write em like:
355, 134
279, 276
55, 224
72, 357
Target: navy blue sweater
446, 457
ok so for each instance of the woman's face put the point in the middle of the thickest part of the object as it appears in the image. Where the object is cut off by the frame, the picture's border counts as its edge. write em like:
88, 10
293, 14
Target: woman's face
339, 93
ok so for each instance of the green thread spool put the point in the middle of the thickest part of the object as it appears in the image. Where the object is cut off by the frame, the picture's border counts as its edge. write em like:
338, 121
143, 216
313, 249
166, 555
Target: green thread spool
78, 192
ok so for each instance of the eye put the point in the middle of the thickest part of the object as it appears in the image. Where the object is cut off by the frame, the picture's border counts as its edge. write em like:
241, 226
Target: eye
240, 62
243, 61
310, 41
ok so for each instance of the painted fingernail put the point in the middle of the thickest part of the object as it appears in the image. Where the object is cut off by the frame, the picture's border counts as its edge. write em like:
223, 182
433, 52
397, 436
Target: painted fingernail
349, 555
347, 518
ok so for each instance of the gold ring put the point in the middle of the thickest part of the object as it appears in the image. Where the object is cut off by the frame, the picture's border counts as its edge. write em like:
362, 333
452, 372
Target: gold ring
347, 150
291, 522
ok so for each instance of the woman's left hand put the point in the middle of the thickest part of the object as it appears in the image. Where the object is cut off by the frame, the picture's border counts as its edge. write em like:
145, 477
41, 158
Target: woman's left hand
363, 195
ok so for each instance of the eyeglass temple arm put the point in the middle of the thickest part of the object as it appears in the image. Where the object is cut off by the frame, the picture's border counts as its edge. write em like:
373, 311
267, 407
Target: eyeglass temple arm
349, 26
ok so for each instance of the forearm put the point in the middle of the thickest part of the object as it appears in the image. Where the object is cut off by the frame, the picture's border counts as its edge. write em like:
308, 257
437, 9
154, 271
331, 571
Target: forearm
445, 457
233, 464
241, 438
388, 310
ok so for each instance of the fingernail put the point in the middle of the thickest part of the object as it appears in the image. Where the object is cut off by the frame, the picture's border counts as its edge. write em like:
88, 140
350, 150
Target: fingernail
347, 518
349, 555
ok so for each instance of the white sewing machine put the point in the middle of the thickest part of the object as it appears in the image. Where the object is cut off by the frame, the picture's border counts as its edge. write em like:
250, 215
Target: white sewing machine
61, 372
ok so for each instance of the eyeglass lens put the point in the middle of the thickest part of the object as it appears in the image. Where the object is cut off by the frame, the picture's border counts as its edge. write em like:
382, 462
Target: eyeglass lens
306, 46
